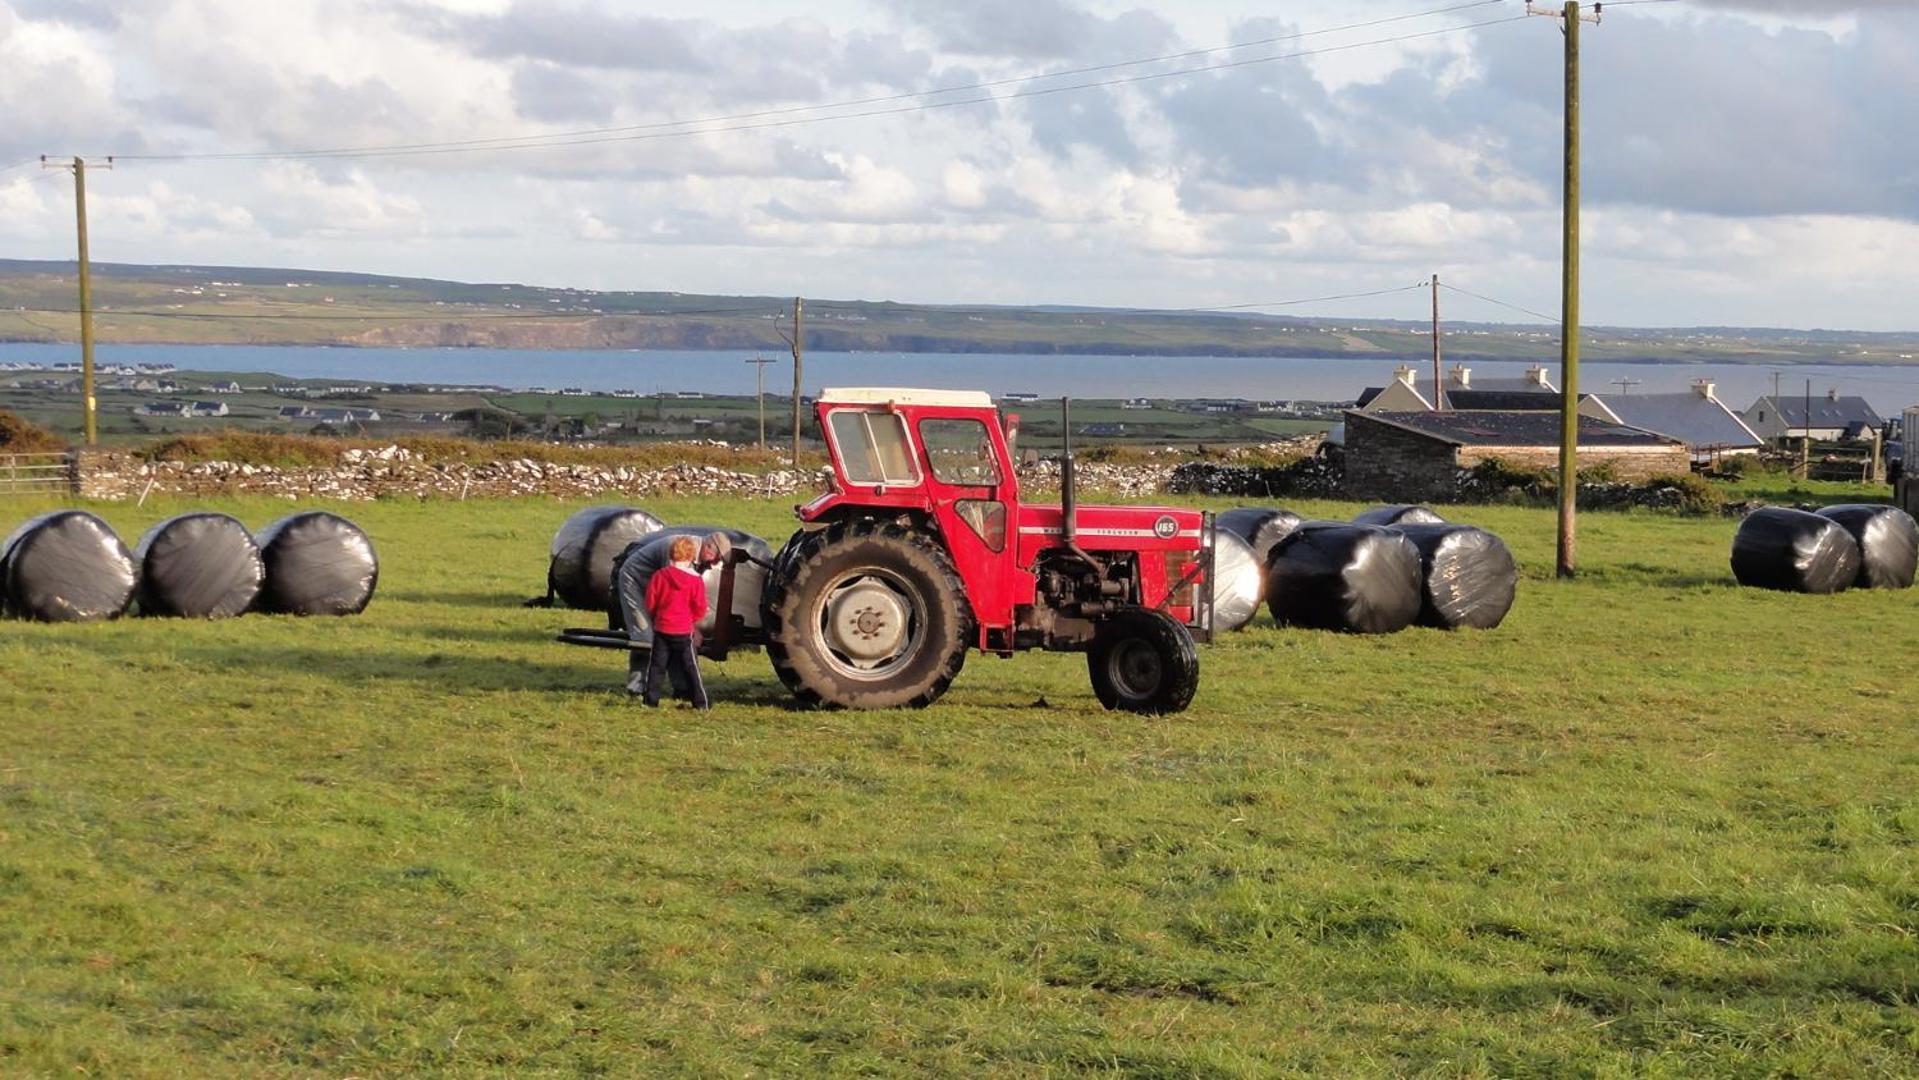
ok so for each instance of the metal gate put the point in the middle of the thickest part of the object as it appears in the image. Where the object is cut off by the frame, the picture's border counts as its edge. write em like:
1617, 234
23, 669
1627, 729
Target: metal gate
30, 474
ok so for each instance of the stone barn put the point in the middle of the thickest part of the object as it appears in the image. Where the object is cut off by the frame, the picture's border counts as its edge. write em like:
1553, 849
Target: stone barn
1417, 456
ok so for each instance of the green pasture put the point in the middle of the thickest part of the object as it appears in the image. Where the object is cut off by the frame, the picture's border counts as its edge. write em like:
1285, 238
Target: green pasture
1654, 824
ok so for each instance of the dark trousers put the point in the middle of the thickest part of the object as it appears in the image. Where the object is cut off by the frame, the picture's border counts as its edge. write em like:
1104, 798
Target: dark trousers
673, 655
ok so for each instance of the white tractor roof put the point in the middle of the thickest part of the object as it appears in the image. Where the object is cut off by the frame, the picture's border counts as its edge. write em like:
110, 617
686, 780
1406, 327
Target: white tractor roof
892, 395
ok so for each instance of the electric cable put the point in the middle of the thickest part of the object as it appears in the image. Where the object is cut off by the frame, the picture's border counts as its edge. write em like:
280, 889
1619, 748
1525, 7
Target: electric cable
597, 138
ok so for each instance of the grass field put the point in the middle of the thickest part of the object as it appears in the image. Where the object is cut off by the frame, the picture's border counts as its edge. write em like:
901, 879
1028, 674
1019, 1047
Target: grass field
1654, 824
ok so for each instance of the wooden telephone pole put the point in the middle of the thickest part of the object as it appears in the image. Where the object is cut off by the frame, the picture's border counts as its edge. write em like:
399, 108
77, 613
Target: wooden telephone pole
1569, 19
1439, 388
799, 367
759, 393
89, 404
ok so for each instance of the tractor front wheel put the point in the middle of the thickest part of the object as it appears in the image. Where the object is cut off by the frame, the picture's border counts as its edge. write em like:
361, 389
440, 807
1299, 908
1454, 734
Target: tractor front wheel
1143, 661
866, 615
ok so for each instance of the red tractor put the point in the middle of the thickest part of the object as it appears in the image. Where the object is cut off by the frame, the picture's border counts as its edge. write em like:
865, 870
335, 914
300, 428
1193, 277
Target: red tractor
922, 552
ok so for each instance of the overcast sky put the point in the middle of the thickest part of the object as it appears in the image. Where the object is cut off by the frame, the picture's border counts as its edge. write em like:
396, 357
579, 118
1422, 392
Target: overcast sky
1748, 162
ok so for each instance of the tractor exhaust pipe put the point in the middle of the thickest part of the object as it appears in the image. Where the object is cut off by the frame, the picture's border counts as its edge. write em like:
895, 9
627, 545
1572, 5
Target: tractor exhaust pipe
1068, 498
1068, 493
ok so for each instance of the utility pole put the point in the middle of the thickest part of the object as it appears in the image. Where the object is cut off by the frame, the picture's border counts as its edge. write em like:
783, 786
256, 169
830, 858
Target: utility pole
799, 367
89, 405
1569, 20
759, 393
1439, 388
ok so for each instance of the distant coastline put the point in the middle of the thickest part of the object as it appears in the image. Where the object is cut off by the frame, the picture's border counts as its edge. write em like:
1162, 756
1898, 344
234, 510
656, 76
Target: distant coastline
240, 306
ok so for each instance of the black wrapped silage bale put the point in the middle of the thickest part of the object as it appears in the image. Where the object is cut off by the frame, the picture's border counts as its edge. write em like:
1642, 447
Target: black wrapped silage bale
1357, 579
580, 572
1888, 541
1794, 551
199, 566
1468, 574
317, 564
1399, 515
634, 569
67, 566
1259, 526
1239, 582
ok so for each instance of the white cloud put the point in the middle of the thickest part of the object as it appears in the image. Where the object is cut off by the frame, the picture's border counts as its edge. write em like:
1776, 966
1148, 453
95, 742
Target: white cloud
1727, 143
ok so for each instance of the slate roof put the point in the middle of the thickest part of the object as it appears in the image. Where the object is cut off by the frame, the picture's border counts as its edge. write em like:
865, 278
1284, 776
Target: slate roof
1520, 385
1699, 422
1827, 412
1532, 400
1513, 428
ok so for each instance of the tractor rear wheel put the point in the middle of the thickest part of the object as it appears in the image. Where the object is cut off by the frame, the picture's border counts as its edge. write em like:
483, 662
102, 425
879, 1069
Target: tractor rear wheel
867, 615
1144, 661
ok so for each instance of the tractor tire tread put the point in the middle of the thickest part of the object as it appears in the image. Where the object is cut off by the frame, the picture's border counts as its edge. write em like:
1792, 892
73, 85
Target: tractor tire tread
804, 550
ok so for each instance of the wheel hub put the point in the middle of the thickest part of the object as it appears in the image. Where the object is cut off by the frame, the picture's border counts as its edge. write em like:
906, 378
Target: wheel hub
1136, 668
867, 623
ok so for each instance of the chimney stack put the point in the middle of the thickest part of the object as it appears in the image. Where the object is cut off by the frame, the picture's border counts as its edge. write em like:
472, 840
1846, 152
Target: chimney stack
1832, 394
1462, 377
1703, 387
1536, 375
1404, 374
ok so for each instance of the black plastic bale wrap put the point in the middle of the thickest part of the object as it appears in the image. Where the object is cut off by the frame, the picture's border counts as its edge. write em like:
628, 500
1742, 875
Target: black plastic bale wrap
635, 567
1399, 515
1357, 579
1888, 541
317, 564
1469, 576
1795, 551
1259, 527
581, 570
67, 566
1239, 582
199, 566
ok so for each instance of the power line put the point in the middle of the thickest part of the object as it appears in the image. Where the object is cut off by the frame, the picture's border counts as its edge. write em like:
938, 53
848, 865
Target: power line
597, 138
526, 141
332, 316
965, 309
1501, 303
1297, 303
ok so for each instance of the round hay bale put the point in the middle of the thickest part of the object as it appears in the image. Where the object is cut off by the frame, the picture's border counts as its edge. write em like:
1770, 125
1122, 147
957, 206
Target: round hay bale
634, 569
317, 564
1469, 576
1239, 582
67, 566
198, 566
1260, 527
1794, 551
1399, 515
580, 571
1356, 579
1888, 541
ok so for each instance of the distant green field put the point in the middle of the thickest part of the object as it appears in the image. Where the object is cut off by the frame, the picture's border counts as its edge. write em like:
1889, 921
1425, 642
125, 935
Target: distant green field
1653, 824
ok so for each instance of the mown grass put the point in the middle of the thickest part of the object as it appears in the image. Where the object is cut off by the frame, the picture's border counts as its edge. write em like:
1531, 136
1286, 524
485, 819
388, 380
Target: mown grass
1654, 824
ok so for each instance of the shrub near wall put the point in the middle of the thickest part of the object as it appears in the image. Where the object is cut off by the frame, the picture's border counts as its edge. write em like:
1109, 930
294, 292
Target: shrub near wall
1600, 488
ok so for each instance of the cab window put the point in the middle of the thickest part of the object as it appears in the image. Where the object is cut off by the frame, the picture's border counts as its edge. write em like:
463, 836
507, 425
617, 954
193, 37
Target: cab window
873, 447
960, 451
